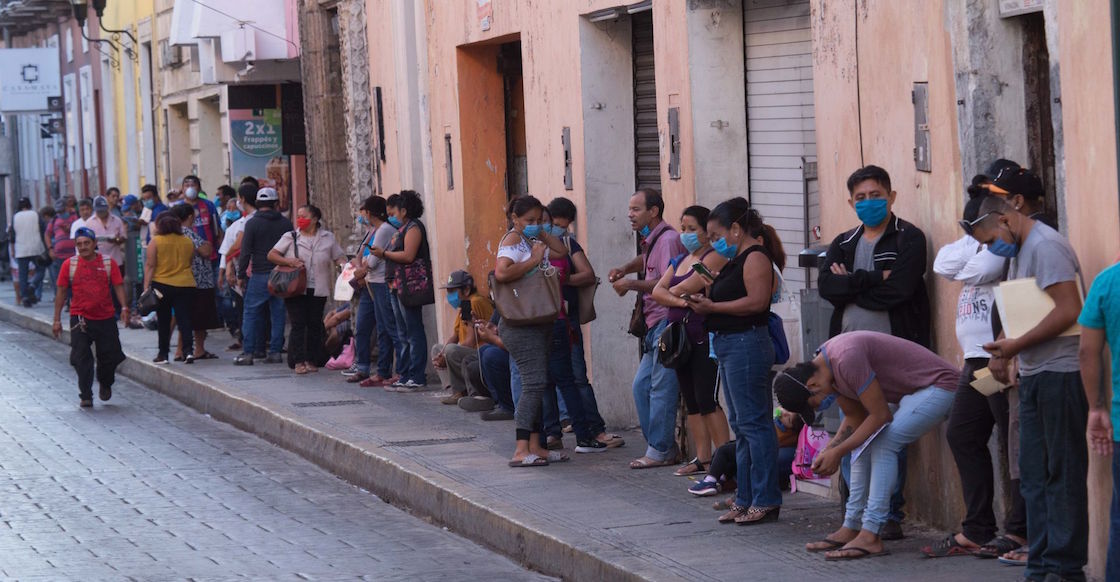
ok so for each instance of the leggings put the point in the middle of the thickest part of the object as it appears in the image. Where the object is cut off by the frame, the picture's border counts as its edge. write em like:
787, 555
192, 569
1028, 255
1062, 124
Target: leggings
528, 346
181, 299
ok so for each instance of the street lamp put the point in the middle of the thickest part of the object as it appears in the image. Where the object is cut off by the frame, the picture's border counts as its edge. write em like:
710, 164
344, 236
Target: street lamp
81, 11
99, 9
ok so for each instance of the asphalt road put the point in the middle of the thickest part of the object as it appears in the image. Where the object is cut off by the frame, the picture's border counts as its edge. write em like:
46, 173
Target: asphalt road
143, 488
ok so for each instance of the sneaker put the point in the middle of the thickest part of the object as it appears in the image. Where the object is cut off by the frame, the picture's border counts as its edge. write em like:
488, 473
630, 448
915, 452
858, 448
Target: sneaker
453, 398
358, 378
105, 392
497, 414
352, 371
476, 403
243, 360
406, 387
274, 358
86, 403
259, 355
704, 488
162, 359
590, 446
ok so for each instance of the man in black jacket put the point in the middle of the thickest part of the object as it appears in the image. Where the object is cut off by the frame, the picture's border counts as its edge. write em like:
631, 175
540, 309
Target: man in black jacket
261, 234
874, 276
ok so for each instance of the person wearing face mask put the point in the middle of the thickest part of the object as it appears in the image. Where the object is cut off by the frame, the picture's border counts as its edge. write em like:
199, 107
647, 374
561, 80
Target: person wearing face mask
58, 233
153, 206
408, 246
867, 371
227, 261
313, 247
262, 232
375, 308
456, 360
737, 313
874, 276
206, 219
655, 387
1019, 186
706, 422
1053, 410
524, 249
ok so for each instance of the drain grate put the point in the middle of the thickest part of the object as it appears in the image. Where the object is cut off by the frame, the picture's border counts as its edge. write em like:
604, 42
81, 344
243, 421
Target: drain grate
260, 377
327, 403
423, 442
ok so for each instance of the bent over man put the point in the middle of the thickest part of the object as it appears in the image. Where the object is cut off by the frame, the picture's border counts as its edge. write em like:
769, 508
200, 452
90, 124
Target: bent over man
93, 327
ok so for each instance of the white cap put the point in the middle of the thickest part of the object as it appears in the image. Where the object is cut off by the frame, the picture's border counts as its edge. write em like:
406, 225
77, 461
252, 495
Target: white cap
267, 195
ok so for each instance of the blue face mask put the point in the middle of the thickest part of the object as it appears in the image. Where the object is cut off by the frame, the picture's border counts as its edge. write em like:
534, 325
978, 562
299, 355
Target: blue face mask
149, 204
725, 250
645, 231
1002, 248
827, 402
557, 231
532, 230
362, 221
691, 241
872, 212
453, 299
231, 216
396, 222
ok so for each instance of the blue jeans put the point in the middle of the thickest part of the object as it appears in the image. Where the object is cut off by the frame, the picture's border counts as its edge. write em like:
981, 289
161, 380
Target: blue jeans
410, 323
256, 297
495, 364
1112, 571
561, 374
898, 500
1053, 470
52, 273
745, 359
656, 395
32, 290
375, 315
875, 472
595, 423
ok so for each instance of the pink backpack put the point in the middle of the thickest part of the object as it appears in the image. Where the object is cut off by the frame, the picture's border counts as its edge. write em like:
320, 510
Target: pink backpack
343, 360
809, 443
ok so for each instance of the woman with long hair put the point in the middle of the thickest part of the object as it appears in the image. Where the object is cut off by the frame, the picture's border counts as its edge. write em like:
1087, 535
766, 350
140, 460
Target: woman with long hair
204, 311
167, 270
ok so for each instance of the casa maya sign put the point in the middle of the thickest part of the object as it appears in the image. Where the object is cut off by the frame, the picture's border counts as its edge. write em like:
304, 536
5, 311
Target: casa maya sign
28, 78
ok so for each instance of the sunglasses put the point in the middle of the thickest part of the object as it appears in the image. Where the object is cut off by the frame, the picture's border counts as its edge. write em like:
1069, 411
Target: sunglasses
970, 226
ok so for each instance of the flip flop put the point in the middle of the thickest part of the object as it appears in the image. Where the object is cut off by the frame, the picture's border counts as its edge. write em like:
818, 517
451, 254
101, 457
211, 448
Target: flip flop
558, 457
948, 548
644, 463
693, 467
860, 553
832, 545
207, 356
530, 461
1013, 562
997, 548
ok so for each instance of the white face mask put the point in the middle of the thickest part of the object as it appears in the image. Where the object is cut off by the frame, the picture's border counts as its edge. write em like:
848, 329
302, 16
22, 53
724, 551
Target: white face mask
191, 193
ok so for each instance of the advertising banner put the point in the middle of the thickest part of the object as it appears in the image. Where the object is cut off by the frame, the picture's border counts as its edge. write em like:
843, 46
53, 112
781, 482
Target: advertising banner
257, 152
28, 78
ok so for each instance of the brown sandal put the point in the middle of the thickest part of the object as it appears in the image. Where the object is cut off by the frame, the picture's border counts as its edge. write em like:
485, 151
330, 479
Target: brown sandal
301, 368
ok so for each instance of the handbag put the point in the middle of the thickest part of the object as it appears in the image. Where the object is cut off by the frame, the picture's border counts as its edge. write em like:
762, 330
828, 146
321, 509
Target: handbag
778, 338
344, 286
287, 281
44, 259
415, 285
149, 301
673, 347
585, 296
534, 299
638, 327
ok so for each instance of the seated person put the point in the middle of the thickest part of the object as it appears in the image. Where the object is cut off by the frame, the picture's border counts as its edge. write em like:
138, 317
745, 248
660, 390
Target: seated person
867, 371
496, 372
337, 324
457, 359
721, 471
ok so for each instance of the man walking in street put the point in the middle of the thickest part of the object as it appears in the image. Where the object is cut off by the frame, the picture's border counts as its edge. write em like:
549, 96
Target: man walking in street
656, 390
874, 276
26, 228
58, 234
261, 233
1053, 457
91, 276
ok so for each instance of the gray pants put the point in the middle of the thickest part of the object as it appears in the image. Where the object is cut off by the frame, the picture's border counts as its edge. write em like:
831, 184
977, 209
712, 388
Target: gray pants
462, 373
528, 346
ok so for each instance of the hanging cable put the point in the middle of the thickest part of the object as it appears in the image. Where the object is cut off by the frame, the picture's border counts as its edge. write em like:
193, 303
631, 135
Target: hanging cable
246, 23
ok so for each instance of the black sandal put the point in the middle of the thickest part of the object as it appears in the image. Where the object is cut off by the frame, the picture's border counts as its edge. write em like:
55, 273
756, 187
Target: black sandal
997, 548
695, 462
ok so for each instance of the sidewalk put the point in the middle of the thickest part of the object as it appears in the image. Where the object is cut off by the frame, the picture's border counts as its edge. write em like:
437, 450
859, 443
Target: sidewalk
589, 519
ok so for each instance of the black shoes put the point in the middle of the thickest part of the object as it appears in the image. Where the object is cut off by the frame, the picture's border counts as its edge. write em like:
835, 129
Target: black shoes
160, 359
105, 393
86, 403
243, 360
274, 359
497, 414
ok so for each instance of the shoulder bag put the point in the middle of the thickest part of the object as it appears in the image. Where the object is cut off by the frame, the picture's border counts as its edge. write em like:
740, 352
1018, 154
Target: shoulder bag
638, 327
534, 299
415, 286
285, 281
584, 295
673, 347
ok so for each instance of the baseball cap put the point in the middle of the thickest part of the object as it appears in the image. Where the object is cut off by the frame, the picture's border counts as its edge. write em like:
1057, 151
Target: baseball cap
129, 200
458, 279
100, 203
85, 232
267, 195
1014, 180
792, 391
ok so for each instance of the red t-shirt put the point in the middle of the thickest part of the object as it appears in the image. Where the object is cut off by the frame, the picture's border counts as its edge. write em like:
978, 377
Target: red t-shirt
92, 296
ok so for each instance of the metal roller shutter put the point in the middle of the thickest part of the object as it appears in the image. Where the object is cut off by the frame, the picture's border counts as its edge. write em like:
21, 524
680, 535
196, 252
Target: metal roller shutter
647, 151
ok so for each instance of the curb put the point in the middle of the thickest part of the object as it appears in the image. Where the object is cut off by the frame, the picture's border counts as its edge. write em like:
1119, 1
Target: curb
382, 473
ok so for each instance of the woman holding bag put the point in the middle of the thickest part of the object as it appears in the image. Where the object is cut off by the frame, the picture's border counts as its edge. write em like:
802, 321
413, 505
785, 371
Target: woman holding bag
524, 251
314, 248
706, 422
167, 270
410, 263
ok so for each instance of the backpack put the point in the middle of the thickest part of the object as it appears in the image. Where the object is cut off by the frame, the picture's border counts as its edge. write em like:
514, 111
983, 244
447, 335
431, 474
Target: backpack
778, 338
73, 265
809, 444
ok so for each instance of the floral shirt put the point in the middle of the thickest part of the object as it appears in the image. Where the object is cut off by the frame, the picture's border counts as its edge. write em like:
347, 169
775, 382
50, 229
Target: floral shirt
200, 267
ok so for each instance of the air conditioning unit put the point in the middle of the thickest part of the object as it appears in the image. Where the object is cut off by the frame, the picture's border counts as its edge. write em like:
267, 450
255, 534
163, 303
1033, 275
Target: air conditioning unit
172, 55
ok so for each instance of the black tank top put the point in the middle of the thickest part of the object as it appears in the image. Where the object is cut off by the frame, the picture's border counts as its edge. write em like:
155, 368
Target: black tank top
729, 286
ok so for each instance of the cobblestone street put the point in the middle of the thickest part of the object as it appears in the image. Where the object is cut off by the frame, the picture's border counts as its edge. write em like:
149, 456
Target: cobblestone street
144, 488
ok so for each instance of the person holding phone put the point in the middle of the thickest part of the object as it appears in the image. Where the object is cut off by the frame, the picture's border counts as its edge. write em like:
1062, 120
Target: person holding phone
456, 360
689, 274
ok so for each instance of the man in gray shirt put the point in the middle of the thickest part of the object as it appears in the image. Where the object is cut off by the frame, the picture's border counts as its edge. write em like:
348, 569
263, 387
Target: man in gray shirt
1053, 456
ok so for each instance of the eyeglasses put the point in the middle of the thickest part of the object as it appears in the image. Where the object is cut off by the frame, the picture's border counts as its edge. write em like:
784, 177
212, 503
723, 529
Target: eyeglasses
970, 227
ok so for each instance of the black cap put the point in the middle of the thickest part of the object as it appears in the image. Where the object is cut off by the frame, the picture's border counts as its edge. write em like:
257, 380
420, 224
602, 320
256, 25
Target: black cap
458, 280
1021, 181
792, 391
998, 166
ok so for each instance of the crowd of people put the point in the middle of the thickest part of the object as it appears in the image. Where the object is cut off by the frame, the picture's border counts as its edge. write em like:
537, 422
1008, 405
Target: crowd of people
702, 313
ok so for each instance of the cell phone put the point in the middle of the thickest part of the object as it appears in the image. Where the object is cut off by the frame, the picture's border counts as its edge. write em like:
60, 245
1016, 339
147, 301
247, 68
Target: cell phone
465, 311
702, 269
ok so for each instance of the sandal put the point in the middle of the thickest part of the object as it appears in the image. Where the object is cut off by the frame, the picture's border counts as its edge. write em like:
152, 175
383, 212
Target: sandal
693, 467
734, 511
829, 545
948, 548
558, 457
1017, 557
997, 547
756, 514
648, 463
301, 369
841, 555
207, 356
530, 460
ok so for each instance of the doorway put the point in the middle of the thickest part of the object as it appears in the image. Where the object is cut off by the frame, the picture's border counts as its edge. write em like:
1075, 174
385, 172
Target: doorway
647, 146
513, 96
1036, 89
